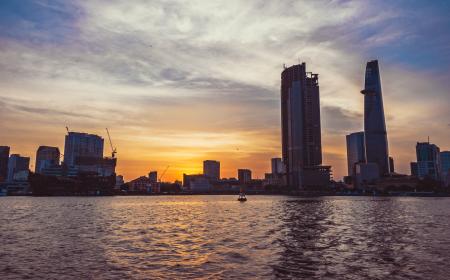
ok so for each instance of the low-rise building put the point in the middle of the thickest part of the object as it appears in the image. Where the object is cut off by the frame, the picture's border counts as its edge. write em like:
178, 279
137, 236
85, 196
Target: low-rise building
153, 176
46, 157
16, 164
366, 174
143, 185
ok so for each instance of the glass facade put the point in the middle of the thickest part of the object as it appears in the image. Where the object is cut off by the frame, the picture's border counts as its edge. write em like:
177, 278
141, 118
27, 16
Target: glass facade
374, 122
356, 152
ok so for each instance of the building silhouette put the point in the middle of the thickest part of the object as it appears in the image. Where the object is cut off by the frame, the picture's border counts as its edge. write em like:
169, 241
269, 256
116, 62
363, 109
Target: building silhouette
300, 127
428, 161
153, 176
356, 151
82, 145
445, 167
4, 158
414, 169
374, 122
244, 175
276, 166
17, 164
46, 157
84, 152
211, 169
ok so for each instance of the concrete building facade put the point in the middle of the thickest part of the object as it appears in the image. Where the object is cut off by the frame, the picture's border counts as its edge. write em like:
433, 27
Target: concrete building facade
300, 124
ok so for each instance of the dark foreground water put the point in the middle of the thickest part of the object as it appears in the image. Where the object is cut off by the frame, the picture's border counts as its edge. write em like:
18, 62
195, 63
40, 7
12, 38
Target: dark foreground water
216, 237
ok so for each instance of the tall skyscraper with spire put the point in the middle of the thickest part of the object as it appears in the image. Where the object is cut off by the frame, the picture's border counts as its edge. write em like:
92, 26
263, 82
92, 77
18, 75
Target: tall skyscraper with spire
374, 122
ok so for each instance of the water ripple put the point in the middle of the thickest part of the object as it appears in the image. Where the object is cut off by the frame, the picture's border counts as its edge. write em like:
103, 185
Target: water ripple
215, 237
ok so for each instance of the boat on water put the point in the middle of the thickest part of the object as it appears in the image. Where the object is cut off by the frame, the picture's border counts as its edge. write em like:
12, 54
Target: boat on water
242, 197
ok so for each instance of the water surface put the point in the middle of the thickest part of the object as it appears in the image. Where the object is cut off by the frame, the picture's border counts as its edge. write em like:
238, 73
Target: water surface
216, 237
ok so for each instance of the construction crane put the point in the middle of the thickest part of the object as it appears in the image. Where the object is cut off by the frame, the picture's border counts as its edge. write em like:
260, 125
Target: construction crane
113, 150
164, 172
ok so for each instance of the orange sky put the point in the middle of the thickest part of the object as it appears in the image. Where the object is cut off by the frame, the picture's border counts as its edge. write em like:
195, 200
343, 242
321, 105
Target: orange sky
178, 84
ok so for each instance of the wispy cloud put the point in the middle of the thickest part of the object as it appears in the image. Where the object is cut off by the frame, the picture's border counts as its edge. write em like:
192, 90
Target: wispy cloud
161, 72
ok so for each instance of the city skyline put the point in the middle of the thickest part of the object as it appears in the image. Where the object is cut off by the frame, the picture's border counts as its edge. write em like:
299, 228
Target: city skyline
176, 85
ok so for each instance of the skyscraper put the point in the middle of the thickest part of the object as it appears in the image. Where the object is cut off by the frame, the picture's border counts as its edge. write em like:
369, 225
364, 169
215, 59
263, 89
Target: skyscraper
211, 169
4, 157
300, 123
428, 160
46, 157
356, 151
82, 145
374, 122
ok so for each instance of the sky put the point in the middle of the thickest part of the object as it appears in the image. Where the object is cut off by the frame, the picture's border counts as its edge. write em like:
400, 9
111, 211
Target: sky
178, 82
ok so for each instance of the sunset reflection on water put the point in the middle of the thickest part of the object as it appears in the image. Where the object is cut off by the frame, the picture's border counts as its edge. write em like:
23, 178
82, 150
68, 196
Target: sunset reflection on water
168, 237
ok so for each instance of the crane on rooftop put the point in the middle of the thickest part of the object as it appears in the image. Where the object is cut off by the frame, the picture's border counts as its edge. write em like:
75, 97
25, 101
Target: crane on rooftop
164, 172
113, 150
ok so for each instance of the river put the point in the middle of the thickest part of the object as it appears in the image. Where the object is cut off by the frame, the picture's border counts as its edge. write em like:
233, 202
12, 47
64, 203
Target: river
217, 237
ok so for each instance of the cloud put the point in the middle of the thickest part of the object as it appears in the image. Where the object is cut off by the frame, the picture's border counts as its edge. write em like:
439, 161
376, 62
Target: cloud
176, 71
337, 120
24, 107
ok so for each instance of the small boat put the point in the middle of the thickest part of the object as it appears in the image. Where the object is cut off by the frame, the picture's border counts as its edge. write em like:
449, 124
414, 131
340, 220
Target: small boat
242, 197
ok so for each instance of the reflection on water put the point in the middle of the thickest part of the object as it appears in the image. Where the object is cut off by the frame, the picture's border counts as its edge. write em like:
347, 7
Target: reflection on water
217, 237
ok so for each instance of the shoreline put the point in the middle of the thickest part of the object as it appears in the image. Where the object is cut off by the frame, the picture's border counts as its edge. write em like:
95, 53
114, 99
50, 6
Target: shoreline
305, 195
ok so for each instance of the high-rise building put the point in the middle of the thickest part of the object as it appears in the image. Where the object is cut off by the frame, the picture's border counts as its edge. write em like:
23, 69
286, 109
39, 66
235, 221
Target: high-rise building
46, 157
300, 125
356, 151
428, 160
445, 164
4, 157
17, 164
82, 146
211, 169
277, 165
374, 122
244, 175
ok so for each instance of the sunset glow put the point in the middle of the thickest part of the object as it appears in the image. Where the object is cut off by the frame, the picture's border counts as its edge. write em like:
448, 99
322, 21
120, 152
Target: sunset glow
177, 84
